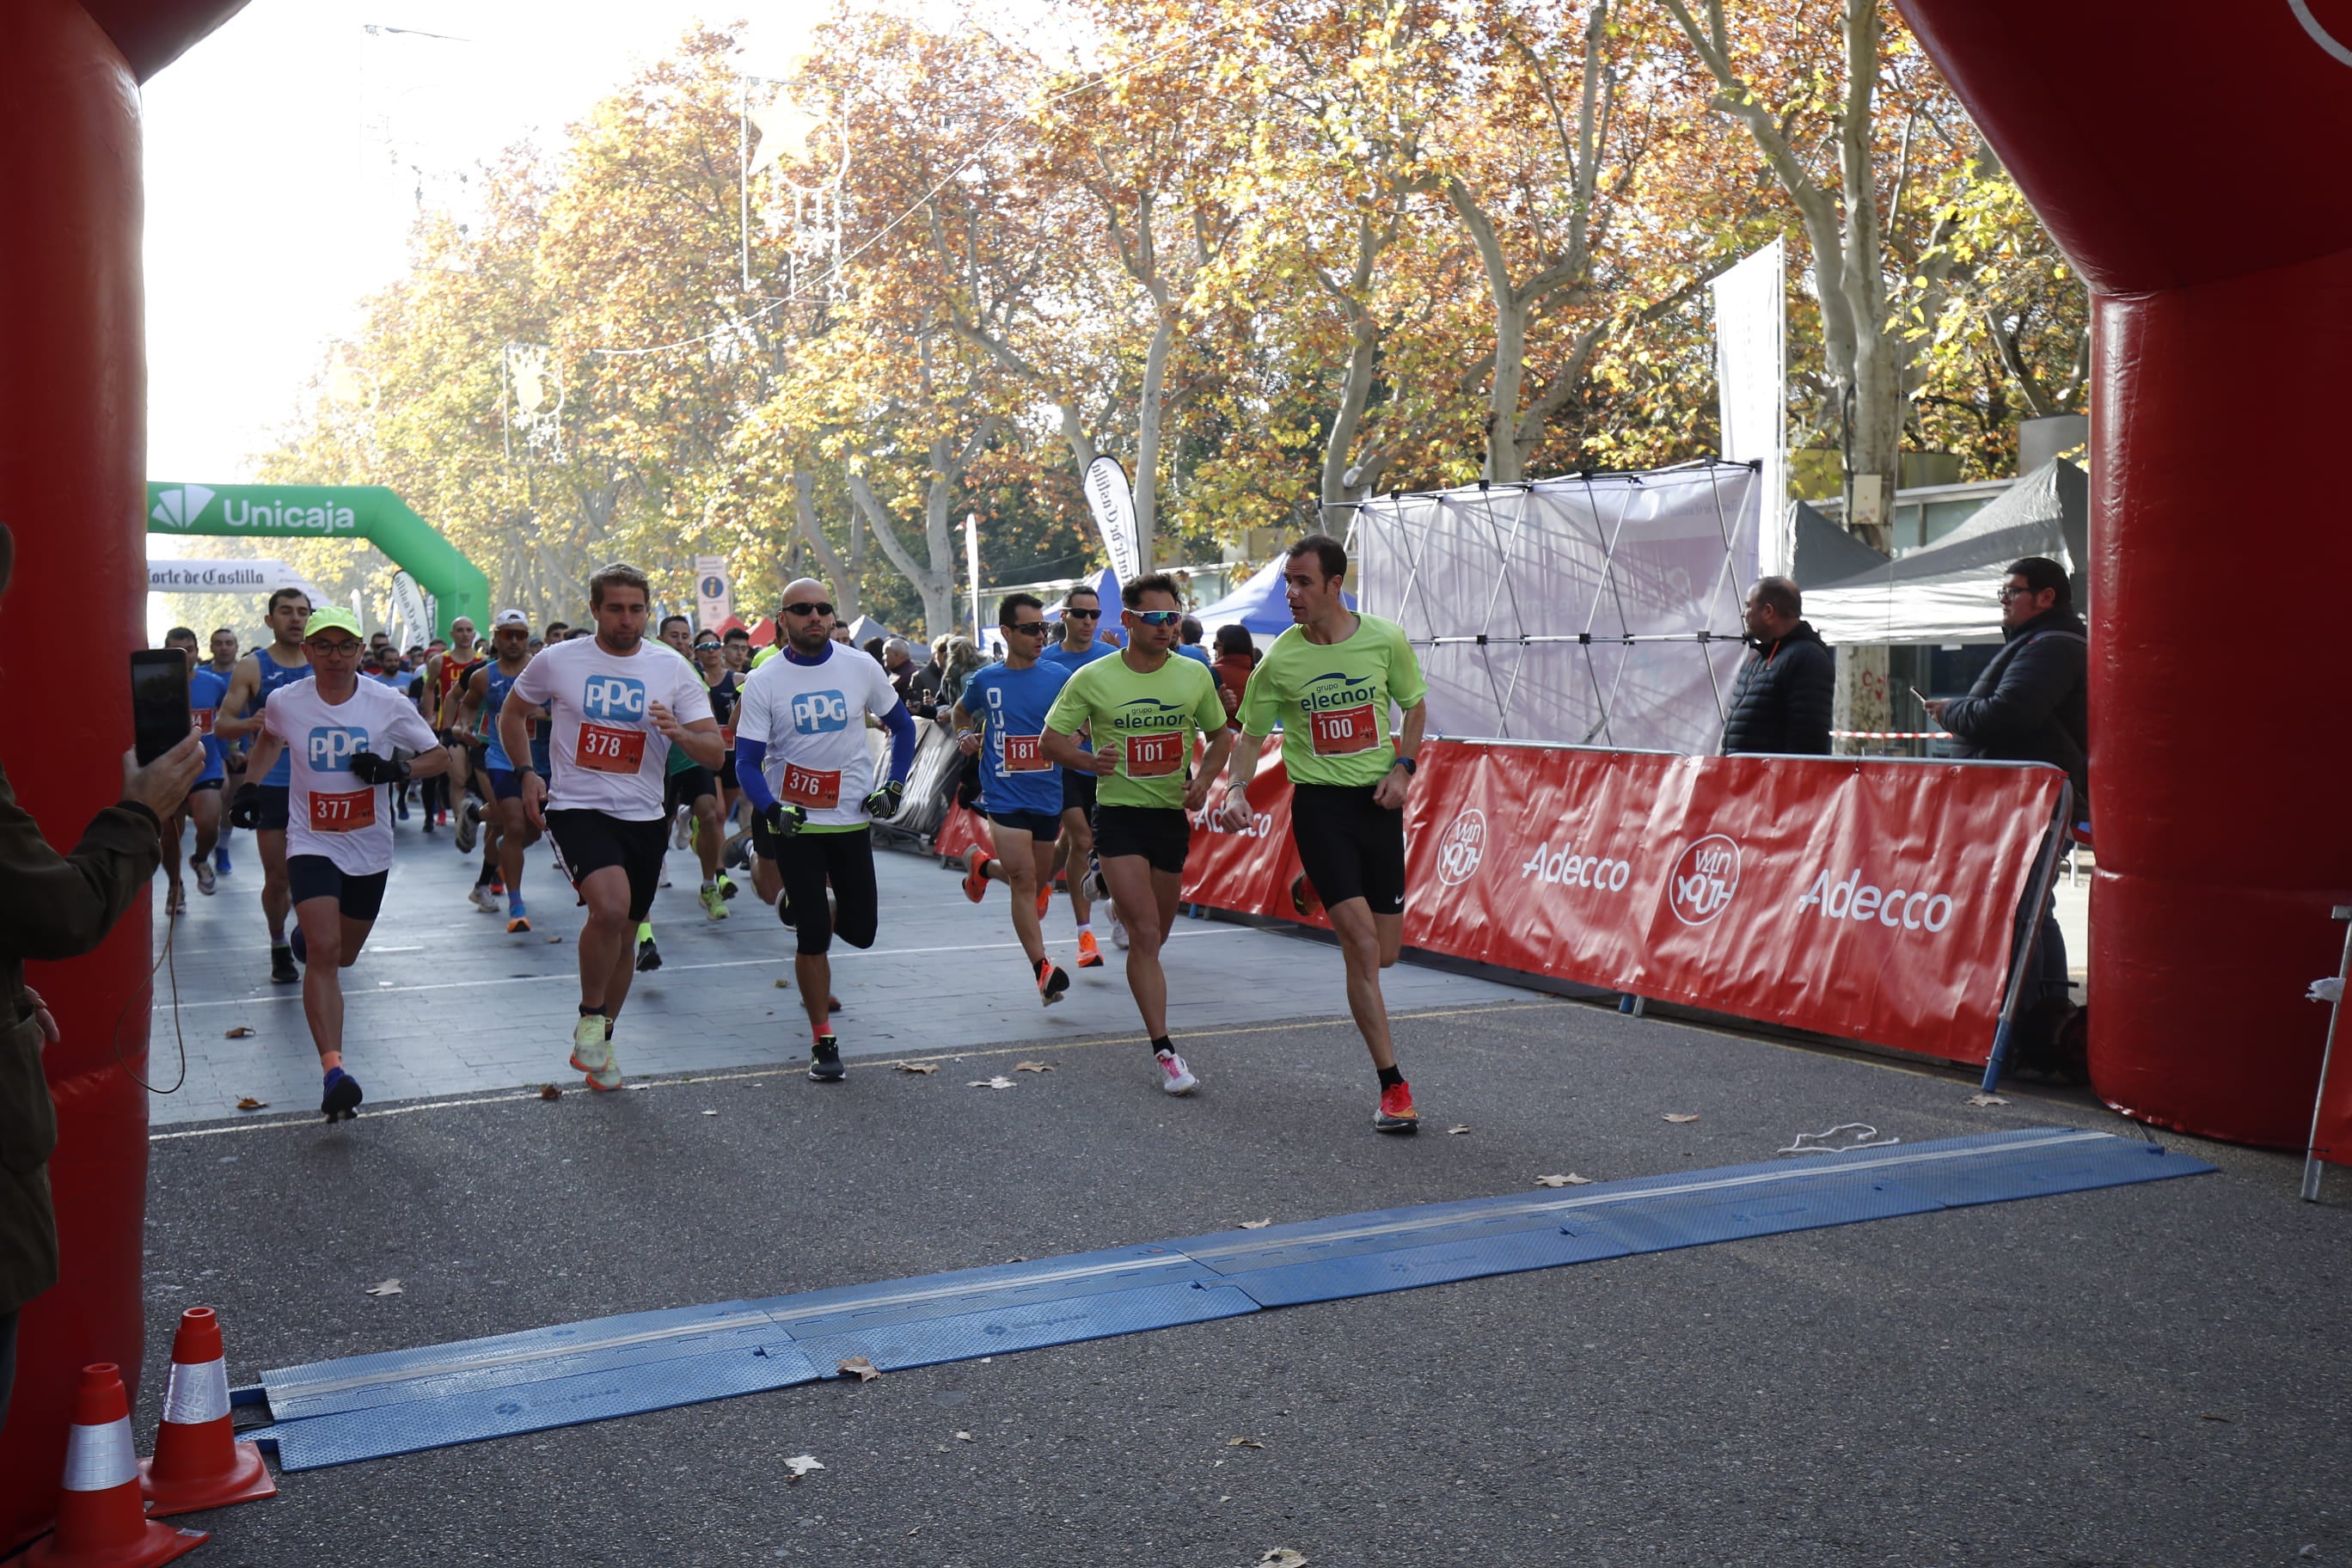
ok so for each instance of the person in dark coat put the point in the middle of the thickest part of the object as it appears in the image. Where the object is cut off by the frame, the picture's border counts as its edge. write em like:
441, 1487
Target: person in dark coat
58, 906
2032, 704
1781, 700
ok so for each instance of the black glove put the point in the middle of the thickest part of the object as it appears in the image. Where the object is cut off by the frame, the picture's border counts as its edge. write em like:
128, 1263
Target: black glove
882, 804
784, 818
244, 808
369, 768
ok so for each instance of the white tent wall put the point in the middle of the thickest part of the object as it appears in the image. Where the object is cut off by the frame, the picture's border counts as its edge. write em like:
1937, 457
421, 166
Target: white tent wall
1608, 606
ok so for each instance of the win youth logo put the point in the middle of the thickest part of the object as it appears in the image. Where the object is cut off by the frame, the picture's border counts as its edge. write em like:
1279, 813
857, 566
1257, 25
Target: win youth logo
1461, 847
181, 506
817, 712
613, 697
331, 746
1703, 880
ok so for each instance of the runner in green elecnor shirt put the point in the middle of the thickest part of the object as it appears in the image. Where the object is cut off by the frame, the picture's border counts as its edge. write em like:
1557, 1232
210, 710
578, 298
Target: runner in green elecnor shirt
1329, 680
1143, 708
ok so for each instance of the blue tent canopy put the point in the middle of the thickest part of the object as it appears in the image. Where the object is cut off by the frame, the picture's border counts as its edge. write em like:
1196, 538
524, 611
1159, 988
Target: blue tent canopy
1258, 604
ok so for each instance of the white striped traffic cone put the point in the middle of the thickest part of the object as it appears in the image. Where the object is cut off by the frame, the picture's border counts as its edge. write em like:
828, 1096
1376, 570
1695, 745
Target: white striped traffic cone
100, 1522
198, 1461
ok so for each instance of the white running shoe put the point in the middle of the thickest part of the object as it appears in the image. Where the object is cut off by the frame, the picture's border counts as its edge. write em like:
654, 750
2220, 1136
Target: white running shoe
681, 828
484, 900
607, 1077
1176, 1077
592, 1050
1117, 929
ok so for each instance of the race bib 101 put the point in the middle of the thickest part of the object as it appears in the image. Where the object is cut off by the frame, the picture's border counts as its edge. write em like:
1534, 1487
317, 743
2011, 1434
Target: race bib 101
1153, 754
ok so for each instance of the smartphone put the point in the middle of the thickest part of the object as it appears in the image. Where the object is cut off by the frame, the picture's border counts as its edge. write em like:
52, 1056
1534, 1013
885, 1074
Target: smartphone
1917, 693
159, 700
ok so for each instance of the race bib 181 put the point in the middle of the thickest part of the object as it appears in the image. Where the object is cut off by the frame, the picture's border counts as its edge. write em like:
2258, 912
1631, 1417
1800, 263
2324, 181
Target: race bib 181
1025, 754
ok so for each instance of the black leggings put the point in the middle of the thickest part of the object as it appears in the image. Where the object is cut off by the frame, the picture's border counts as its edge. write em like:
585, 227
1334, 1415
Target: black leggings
808, 862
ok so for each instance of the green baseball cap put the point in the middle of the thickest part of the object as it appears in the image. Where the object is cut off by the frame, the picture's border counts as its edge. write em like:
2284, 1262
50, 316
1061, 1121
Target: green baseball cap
330, 619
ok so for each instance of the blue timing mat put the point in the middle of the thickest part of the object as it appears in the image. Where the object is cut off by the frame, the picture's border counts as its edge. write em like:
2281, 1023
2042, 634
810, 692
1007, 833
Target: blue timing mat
364, 1408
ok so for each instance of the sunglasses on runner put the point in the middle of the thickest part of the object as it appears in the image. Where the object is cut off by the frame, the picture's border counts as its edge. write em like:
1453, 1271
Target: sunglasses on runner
1082, 614
1033, 628
819, 608
1159, 617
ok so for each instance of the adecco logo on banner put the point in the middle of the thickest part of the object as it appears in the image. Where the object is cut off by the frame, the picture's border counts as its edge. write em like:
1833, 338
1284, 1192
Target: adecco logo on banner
1856, 899
1461, 847
1563, 868
1704, 880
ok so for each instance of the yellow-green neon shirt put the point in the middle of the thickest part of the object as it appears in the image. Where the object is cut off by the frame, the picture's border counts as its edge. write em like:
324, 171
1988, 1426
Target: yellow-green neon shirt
1332, 700
1162, 710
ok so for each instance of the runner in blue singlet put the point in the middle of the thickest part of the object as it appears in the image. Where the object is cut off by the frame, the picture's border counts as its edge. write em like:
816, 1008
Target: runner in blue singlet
260, 804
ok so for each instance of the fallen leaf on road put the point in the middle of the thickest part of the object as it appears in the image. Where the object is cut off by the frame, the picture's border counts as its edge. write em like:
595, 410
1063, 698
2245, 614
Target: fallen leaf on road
859, 1367
1256, 1223
783, 986
1672, 1117
999, 1082
1571, 1179
554, 938
926, 1068
1032, 1066
1464, 1128
1280, 1557
802, 1464
963, 1436
386, 1287
242, 1032
249, 1103
549, 1092
1243, 1442
1987, 1100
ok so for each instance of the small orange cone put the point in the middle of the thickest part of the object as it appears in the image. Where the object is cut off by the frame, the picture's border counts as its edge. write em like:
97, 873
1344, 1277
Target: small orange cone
198, 1461
99, 1525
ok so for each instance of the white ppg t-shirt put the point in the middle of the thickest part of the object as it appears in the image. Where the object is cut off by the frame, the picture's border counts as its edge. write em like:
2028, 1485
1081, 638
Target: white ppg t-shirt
329, 812
812, 719
608, 756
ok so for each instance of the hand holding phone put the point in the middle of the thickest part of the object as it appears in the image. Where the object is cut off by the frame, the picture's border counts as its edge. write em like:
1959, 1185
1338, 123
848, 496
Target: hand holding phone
159, 701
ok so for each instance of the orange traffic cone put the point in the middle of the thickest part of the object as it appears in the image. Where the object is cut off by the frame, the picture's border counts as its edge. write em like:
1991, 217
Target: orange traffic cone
198, 1461
99, 1525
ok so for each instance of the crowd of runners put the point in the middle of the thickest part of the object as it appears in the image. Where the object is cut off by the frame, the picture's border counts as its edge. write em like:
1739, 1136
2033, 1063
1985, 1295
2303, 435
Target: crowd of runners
616, 741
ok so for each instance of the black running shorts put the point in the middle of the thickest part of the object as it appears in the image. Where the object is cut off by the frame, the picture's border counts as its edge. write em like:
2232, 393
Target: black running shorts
276, 800
1348, 846
809, 863
1035, 824
591, 841
1160, 834
1077, 791
685, 787
311, 877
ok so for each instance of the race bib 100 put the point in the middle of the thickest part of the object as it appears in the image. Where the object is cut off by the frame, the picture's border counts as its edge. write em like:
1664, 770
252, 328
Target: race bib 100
1339, 730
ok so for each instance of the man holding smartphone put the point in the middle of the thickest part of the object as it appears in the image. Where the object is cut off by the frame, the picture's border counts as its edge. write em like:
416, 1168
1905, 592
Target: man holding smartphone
341, 737
258, 674
202, 806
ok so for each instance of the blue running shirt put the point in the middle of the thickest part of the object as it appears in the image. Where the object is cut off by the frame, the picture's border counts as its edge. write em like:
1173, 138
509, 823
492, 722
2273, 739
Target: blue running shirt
1010, 704
273, 675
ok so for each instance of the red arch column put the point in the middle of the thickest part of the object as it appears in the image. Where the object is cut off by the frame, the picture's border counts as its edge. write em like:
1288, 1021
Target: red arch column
2189, 159
72, 462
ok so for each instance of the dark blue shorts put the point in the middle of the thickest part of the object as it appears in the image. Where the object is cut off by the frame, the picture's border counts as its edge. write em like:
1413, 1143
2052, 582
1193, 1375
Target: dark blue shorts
1036, 823
311, 877
504, 784
275, 801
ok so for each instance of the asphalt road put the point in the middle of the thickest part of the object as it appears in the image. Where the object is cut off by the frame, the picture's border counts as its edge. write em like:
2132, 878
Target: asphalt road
2144, 1375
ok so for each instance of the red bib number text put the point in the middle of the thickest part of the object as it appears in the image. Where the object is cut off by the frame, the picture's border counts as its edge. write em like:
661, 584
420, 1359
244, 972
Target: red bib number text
727, 736
203, 717
345, 813
1025, 754
1155, 754
1339, 730
808, 787
605, 749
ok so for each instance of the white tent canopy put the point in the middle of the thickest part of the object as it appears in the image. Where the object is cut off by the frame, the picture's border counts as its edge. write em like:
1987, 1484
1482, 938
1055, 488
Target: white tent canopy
1944, 592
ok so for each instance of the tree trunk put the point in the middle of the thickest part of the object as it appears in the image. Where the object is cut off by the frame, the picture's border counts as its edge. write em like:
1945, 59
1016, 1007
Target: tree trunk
841, 577
1339, 493
1503, 465
1146, 434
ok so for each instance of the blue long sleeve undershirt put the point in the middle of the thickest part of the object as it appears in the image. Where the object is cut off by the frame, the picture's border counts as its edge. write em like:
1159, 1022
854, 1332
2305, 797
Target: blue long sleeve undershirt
749, 756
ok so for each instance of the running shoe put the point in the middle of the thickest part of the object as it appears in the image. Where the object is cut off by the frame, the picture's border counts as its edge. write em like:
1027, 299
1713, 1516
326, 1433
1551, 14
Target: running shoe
175, 900
681, 828
1304, 898
975, 873
664, 882
607, 1078
591, 1047
1092, 885
1174, 1076
482, 899
517, 920
1051, 981
1396, 1114
714, 903
220, 859
824, 1061
470, 825
1045, 902
648, 955
1089, 951
727, 887
205, 880
340, 1102
1117, 929
281, 962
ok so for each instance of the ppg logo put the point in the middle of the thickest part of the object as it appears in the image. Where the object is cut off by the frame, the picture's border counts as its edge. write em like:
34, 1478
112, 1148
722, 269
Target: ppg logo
331, 746
814, 713
613, 697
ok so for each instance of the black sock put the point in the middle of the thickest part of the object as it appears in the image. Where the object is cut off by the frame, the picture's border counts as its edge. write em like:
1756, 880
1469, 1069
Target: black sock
585, 1010
1036, 966
1163, 1042
1391, 1077
489, 869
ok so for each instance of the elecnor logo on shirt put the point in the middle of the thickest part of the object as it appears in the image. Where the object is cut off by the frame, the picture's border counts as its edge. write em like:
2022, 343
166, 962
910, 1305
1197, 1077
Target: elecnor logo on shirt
814, 713
613, 697
331, 746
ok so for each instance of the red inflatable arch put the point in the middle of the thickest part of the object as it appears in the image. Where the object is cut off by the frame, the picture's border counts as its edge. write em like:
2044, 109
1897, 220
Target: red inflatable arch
2190, 159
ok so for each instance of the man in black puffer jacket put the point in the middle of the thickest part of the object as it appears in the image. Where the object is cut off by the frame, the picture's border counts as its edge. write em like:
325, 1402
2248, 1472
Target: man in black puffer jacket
1781, 700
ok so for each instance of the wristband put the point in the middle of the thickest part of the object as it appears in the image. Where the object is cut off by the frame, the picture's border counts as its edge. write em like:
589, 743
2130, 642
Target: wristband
1407, 765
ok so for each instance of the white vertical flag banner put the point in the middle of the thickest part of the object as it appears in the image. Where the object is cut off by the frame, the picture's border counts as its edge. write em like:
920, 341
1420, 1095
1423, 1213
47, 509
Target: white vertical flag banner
971, 571
714, 595
1114, 508
1751, 370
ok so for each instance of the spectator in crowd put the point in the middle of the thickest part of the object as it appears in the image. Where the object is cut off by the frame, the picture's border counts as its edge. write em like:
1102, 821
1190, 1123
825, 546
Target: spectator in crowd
1236, 656
923, 698
957, 657
2032, 704
1781, 703
1188, 642
898, 663
873, 649
56, 906
737, 648
557, 631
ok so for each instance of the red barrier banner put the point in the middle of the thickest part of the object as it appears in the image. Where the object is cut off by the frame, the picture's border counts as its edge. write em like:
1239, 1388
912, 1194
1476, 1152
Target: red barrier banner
1871, 900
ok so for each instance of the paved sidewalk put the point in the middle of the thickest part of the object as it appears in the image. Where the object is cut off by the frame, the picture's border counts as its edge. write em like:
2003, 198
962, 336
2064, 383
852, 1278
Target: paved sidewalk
443, 1001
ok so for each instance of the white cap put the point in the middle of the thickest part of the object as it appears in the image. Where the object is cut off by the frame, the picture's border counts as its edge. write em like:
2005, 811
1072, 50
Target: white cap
511, 618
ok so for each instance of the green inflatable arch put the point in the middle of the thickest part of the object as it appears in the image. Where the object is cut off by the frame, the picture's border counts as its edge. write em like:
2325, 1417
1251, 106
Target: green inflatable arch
330, 511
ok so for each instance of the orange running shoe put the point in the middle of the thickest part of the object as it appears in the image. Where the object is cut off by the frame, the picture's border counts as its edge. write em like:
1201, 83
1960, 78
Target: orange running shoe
1396, 1114
1090, 954
1045, 902
975, 873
